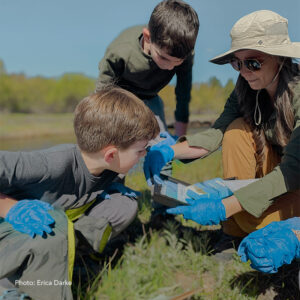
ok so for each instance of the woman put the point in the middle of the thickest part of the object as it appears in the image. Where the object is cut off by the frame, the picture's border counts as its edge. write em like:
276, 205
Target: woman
259, 131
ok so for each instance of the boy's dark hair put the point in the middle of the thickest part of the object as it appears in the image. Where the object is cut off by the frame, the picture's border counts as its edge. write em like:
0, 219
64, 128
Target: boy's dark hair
113, 116
174, 26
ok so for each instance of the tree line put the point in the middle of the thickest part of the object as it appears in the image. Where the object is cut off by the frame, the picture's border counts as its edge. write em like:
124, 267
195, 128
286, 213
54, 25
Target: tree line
22, 94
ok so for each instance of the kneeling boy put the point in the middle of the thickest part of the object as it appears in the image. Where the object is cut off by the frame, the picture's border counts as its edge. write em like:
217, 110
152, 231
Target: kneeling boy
48, 193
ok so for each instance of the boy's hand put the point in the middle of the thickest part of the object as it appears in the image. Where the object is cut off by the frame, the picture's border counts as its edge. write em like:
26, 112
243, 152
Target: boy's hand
117, 187
157, 157
205, 207
272, 246
169, 139
31, 217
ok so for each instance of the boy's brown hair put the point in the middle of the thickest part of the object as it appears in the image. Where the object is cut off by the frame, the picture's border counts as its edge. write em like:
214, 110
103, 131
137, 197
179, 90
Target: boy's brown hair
113, 116
174, 26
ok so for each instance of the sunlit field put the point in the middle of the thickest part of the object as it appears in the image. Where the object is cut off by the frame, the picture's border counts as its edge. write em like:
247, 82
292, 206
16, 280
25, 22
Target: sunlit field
169, 259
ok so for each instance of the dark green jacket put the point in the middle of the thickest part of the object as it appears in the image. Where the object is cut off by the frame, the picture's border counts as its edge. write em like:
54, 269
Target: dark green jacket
126, 64
258, 196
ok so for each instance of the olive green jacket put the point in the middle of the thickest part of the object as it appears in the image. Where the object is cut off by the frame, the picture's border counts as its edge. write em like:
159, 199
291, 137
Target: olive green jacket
258, 196
126, 64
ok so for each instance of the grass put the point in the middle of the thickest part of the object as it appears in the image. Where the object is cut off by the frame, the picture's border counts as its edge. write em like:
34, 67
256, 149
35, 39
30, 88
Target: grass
13, 126
173, 262
39, 125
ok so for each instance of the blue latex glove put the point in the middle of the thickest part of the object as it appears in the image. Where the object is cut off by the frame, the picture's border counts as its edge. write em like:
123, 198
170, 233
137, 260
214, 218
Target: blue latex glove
205, 209
272, 246
169, 139
156, 158
117, 187
31, 217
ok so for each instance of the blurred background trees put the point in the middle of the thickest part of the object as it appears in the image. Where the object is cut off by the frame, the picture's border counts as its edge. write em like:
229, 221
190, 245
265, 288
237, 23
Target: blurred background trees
22, 94
19, 93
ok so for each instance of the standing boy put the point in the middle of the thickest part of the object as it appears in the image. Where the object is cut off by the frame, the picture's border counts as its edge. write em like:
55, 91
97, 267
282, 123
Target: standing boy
143, 59
47, 194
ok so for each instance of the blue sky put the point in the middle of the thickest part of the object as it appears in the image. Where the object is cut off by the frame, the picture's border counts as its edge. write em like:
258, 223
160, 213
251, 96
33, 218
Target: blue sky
51, 37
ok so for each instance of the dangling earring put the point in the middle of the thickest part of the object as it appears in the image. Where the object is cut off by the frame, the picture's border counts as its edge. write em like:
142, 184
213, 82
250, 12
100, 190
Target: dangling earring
257, 118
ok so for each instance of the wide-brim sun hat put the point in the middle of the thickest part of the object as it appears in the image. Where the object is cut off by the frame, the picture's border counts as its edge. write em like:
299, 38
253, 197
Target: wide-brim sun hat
264, 31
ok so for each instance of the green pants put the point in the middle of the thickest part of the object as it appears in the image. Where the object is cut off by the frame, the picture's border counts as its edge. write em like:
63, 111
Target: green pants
38, 266
42, 267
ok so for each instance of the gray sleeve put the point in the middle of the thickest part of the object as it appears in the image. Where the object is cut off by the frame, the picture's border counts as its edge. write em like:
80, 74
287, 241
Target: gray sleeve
20, 168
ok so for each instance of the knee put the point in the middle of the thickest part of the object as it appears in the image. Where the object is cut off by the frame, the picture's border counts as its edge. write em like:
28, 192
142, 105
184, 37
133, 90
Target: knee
119, 211
128, 209
124, 213
238, 124
237, 130
58, 237
52, 242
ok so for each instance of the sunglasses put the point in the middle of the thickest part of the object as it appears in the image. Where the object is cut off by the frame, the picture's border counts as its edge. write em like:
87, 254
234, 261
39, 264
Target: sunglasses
251, 64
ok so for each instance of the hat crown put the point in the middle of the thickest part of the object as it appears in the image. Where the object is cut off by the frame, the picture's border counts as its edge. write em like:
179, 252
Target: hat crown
264, 31
260, 28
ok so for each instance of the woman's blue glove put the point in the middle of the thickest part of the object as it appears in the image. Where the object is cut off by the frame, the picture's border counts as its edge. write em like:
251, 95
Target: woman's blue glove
205, 209
158, 155
31, 217
117, 187
272, 246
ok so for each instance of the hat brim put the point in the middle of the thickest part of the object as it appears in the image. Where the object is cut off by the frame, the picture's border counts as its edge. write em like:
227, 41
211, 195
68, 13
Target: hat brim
291, 50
